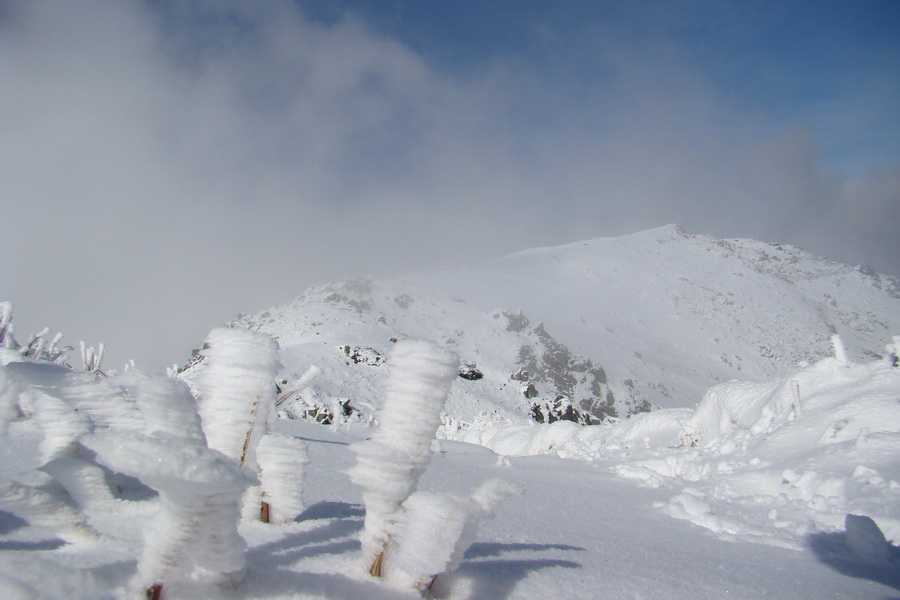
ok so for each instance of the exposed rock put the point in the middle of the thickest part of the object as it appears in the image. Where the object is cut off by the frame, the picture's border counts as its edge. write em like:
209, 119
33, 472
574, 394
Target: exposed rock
470, 371
364, 355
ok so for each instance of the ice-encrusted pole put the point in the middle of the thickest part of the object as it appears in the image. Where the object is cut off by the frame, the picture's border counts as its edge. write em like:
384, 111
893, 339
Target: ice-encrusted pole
840, 352
237, 407
238, 391
435, 530
282, 463
390, 462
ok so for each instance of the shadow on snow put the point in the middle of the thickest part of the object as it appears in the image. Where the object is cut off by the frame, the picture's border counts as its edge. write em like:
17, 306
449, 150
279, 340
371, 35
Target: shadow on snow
832, 550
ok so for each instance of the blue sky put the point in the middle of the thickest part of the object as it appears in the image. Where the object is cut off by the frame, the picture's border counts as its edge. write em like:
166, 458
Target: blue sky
795, 63
193, 159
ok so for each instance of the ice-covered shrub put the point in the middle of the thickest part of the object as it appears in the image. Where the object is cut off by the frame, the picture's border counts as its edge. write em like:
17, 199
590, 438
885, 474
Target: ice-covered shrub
39, 346
67, 404
62, 427
92, 360
199, 496
391, 461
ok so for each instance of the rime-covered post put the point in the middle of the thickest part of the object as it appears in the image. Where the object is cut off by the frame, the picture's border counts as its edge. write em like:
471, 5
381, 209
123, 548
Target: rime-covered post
237, 406
391, 461
435, 530
7, 340
238, 391
840, 352
282, 463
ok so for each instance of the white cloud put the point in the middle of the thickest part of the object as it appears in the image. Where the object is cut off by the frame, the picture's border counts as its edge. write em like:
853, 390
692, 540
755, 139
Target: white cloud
165, 169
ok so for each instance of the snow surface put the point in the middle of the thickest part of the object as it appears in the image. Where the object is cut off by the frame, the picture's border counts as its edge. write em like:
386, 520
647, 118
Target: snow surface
760, 509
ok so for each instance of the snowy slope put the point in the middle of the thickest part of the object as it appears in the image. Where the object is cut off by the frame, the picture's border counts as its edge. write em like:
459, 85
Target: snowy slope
613, 326
773, 462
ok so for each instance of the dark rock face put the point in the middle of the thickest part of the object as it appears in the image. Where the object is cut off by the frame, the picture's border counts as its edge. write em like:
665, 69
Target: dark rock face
565, 386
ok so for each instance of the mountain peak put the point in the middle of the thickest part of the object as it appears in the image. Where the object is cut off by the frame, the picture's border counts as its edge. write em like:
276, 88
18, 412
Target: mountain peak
648, 319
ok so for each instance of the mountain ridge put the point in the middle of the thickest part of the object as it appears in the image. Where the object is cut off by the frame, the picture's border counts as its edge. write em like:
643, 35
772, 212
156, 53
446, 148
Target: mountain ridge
592, 329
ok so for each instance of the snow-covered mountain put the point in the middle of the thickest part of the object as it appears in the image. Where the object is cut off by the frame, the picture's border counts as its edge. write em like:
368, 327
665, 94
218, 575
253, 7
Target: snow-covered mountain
124, 485
599, 328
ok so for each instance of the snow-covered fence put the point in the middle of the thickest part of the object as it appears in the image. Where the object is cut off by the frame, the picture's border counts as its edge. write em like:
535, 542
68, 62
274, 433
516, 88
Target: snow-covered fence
149, 426
200, 455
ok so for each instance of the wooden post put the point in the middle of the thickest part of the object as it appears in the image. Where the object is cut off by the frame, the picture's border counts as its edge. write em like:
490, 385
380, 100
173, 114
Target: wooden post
375, 569
154, 592
795, 389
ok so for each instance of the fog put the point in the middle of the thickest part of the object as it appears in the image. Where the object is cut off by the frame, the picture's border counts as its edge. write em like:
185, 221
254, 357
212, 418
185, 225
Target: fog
164, 166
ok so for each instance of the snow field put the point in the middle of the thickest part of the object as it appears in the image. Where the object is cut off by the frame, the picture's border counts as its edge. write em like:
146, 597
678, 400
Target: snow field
746, 463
